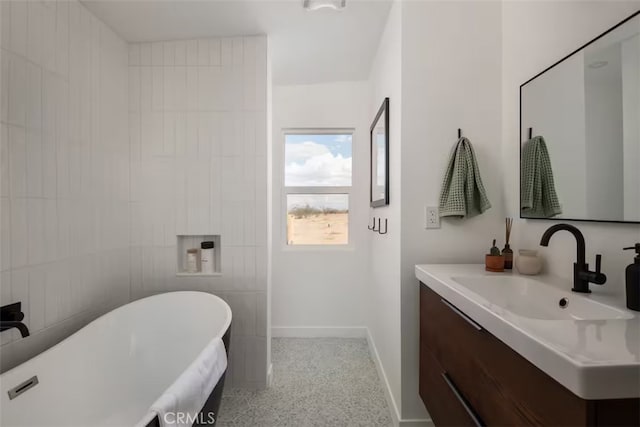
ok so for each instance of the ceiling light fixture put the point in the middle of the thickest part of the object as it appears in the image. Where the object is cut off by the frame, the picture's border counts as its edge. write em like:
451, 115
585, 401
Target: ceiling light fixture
598, 64
324, 4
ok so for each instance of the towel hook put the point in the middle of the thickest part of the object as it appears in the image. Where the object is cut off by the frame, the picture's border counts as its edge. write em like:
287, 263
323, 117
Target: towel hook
374, 225
530, 133
459, 133
380, 228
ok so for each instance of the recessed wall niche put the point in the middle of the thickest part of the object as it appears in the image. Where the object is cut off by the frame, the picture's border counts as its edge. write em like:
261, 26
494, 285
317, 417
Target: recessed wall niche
186, 242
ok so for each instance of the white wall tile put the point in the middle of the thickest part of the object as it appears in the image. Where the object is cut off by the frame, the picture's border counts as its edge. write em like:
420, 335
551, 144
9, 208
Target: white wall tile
19, 235
170, 88
146, 89
249, 73
18, 162
192, 52
206, 89
49, 166
134, 54
169, 57
62, 37
145, 54
20, 291
5, 233
204, 176
180, 52
244, 304
226, 51
4, 82
65, 84
203, 52
192, 89
64, 216
5, 288
157, 54
34, 164
35, 221
180, 88
4, 161
49, 240
256, 363
17, 90
215, 52
34, 36
49, 38
37, 303
157, 89
238, 51
169, 133
18, 38
5, 25
134, 89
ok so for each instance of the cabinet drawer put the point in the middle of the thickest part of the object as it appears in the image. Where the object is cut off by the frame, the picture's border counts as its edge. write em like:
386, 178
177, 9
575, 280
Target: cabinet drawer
444, 401
501, 386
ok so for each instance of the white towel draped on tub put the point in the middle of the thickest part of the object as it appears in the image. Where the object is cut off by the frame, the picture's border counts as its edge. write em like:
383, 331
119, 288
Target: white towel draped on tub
188, 394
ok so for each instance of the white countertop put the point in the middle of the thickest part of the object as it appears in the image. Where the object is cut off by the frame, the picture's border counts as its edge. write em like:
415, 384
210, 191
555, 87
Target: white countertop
595, 359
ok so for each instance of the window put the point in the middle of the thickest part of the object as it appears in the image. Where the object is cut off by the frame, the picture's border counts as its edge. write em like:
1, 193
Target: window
317, 186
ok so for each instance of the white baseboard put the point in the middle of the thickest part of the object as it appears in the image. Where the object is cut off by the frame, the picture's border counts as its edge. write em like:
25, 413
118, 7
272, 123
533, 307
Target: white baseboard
270, 376
319, 331
393, 407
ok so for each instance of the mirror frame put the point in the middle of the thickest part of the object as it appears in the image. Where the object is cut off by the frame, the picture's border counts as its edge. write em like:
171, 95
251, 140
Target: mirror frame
384, 109
520, 129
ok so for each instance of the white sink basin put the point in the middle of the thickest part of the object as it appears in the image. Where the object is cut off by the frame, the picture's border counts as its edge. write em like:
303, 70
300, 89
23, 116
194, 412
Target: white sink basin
592, 347
535, 300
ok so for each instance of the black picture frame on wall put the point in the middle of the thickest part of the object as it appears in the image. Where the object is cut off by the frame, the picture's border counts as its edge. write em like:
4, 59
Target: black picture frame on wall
379, 168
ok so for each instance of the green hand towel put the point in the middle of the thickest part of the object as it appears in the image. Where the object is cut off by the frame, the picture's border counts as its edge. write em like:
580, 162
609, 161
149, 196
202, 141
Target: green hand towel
462, 193
538, 198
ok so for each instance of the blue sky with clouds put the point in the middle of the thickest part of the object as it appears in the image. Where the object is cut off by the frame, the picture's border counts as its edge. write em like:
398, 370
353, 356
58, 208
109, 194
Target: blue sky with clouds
318, 160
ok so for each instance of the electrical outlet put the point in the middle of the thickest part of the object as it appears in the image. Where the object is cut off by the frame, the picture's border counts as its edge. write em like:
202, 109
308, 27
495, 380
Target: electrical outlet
431, 217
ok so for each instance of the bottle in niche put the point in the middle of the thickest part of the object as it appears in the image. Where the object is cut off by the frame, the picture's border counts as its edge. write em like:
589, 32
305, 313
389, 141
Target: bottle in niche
207, 257
192, 260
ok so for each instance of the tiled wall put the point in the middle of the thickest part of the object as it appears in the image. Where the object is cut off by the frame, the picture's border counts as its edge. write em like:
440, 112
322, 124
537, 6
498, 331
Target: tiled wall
198, 130
65, 170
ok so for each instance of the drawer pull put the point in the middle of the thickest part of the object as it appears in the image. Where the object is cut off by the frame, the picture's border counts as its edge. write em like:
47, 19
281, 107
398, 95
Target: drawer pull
476, 420
461, 314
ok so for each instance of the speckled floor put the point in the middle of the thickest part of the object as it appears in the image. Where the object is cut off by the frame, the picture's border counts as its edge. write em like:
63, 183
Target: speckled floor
316, 382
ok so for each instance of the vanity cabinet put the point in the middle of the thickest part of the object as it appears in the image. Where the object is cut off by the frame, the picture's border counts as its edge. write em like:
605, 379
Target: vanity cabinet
469, 377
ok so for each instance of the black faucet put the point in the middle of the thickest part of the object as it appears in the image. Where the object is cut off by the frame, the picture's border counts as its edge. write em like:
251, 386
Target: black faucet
11, 316
581, 274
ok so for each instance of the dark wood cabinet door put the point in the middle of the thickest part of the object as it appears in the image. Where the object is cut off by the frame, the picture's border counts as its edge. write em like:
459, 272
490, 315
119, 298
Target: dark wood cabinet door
500, 386
443, 402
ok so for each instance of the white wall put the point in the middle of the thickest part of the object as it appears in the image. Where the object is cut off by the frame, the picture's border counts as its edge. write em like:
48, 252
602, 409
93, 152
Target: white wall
65, 171
382, 295
604, 137
561, 93
451, 78
631, 126
525, 53
198, 126
321, 289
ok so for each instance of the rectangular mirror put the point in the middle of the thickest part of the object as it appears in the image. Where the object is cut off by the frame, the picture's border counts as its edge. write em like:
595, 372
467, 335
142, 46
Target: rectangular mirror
379, 178
580, 132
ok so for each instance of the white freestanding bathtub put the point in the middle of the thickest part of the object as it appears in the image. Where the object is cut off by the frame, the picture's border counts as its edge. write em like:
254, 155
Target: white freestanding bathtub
111, 371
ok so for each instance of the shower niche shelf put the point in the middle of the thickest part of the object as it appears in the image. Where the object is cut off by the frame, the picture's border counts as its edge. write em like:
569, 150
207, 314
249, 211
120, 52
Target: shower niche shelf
193, 241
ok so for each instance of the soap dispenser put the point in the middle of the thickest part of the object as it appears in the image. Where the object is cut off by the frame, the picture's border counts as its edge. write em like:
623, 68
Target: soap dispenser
633, 280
